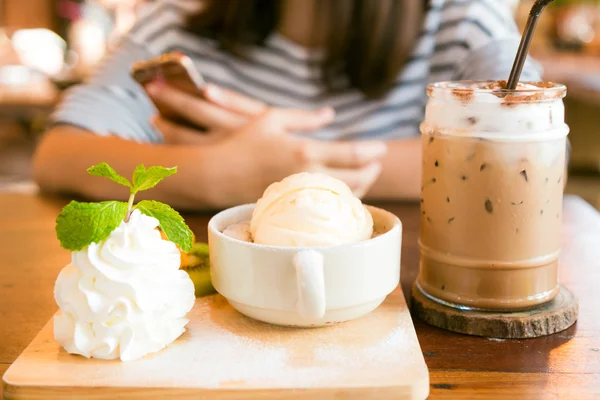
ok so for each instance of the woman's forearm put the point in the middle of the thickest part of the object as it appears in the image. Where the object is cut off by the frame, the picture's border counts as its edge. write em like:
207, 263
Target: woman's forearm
65, 153
401, 173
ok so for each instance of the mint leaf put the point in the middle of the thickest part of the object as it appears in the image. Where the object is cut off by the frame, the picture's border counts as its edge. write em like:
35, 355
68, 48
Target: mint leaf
171, 223
144, 179
105, 170
80, 224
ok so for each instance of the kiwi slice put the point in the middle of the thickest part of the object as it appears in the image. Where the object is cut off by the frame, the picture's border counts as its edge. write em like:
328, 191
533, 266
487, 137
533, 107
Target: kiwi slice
196, 263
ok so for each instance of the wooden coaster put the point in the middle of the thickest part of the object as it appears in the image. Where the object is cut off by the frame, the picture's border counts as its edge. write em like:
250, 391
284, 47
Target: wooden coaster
552, 317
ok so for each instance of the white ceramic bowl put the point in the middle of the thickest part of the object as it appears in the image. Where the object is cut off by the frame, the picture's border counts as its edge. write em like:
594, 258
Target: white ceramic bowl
304, 286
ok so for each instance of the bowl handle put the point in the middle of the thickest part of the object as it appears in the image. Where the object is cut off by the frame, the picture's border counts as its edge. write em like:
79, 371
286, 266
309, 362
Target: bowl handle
311, 283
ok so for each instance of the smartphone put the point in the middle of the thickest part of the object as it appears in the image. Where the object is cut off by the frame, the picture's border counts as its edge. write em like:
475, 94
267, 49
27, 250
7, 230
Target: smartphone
175, 69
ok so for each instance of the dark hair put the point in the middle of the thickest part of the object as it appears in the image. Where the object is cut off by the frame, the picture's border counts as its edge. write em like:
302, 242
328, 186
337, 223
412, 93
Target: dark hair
367, 41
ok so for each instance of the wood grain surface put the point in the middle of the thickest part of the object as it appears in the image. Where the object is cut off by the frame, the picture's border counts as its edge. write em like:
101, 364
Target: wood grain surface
223, 354
461, 366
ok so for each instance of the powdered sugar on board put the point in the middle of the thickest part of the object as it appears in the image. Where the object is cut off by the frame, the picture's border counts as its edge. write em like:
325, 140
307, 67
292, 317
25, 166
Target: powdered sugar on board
244, 350
222, 349
385, 352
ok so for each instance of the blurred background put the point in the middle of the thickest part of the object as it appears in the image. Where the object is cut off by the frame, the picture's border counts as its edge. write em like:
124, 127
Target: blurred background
48, 45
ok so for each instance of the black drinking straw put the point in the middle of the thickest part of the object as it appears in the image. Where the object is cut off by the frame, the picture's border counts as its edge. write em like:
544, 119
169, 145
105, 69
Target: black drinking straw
534, 15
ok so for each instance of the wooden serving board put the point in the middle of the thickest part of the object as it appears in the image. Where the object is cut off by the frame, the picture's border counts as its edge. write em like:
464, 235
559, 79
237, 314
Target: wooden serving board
224, 355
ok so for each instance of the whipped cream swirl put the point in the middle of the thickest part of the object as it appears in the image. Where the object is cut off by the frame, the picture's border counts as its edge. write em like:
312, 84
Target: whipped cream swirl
124, 297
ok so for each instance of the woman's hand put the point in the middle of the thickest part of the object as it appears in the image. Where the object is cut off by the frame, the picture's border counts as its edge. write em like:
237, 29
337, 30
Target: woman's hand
220, 112
264, 151
251, 146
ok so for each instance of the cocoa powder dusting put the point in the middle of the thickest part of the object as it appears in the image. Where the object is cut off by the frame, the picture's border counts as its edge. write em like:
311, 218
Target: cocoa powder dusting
498, 85
545, 85
463, 94
512, 100
429, 91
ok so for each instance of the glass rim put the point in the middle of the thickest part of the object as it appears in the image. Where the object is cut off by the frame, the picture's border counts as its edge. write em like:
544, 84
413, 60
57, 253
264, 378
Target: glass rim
541, 86
466, 89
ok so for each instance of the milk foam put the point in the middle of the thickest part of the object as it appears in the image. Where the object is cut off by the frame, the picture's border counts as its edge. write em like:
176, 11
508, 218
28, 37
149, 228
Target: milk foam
531, 113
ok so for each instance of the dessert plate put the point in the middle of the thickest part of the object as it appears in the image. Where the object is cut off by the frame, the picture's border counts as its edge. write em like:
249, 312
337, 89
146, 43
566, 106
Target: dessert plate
224, 355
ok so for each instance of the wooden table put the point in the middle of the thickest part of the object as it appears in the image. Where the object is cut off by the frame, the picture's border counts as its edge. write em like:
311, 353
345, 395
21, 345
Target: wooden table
564, 365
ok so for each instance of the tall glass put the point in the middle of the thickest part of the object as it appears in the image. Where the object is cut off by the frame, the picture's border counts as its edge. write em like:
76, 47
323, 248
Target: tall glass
492, 189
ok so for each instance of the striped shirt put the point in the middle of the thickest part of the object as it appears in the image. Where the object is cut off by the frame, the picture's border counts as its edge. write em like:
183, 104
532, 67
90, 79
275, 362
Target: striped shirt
460, 39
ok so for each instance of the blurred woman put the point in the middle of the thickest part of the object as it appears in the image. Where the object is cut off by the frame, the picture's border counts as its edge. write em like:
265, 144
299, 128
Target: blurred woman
336, 86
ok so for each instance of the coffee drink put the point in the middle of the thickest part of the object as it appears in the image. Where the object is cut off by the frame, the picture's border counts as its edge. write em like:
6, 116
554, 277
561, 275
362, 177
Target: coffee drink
493, 178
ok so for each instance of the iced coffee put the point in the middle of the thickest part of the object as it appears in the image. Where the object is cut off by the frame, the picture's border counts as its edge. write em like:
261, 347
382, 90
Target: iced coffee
493, 175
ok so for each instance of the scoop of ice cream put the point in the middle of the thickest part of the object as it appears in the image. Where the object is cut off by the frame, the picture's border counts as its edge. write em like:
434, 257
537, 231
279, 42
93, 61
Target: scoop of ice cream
124, 297
240, 231
310, 210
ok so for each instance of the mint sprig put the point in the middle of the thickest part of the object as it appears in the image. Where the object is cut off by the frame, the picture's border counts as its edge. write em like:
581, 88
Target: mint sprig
144, 179
103, 169
80, 224
171, 222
